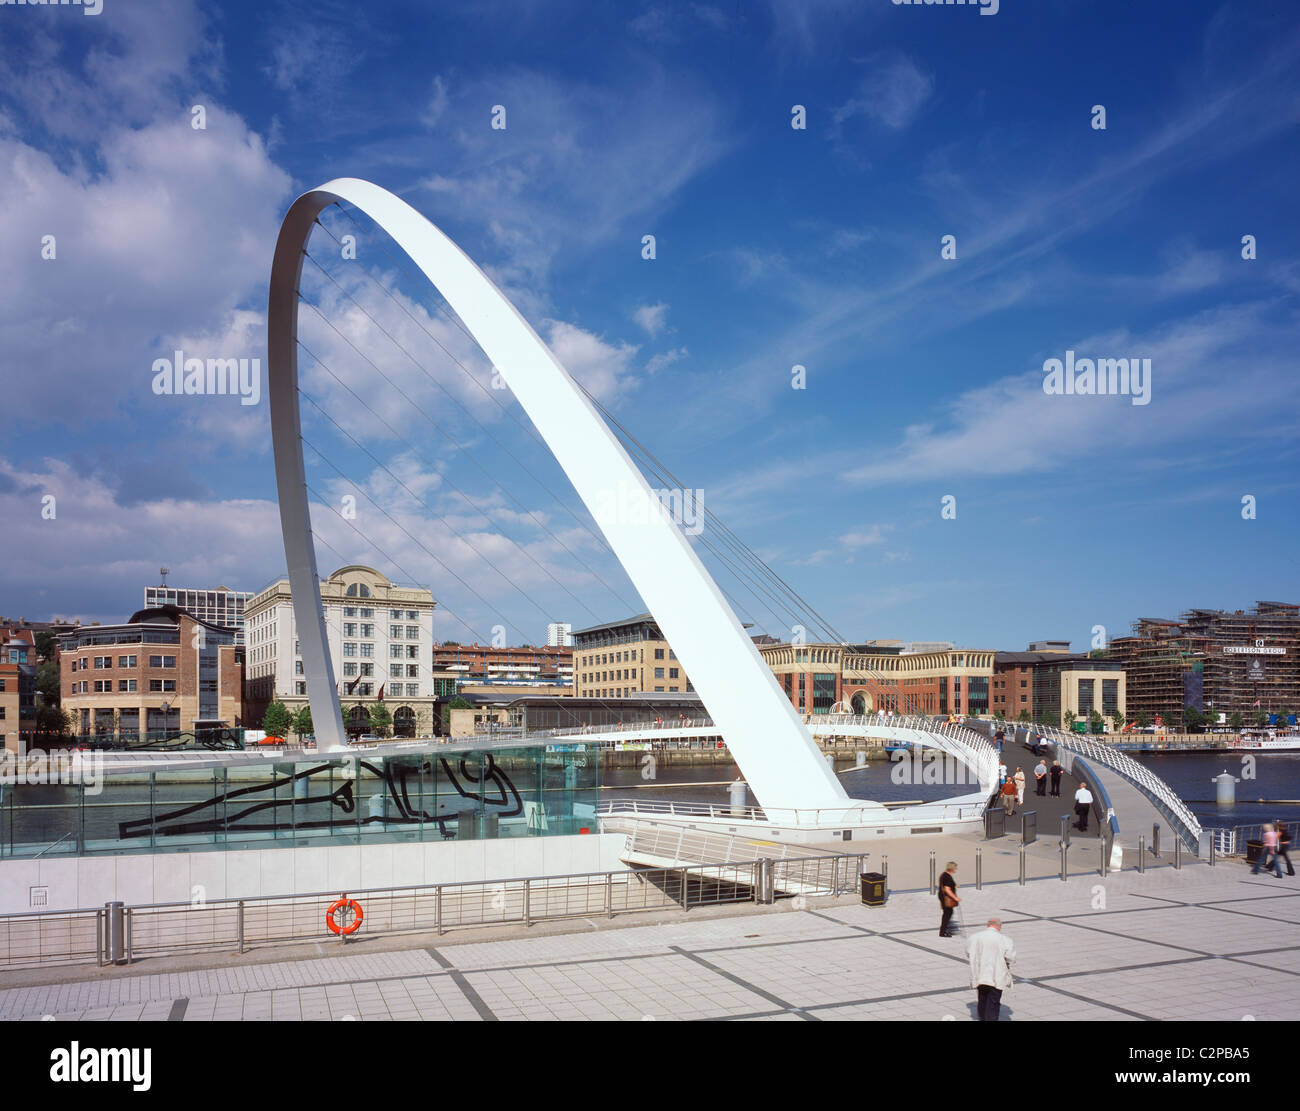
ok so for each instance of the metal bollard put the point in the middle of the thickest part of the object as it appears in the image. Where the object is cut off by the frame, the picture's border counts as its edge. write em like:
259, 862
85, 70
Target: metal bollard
1105, 857
979, 867
884, 867
933, 880
1065, 853
239, 924
116, 932
1214, 851
1065, 829
1022, 866
609, 894
1155, 840
686, 890
1178, 852
528, 909
437, 909
1142, 853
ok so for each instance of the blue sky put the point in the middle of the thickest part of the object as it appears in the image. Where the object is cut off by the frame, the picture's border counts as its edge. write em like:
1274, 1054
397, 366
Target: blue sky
775, 247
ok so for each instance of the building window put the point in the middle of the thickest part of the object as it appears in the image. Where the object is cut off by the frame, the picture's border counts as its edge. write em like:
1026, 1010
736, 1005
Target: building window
349, 628
349, 648
364, 612
394, 671
395, 615
349, 611
412, 632
297, 668
367, 649
659, 655
412, 671
672, 673
412, 615
126, 661
367, 630
412, 690
350, 670
412, 651
368, 670
394, 632
126, 685
366, 689
300, 688
659, 674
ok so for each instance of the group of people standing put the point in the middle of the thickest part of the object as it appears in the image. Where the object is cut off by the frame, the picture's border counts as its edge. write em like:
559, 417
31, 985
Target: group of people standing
1012, 788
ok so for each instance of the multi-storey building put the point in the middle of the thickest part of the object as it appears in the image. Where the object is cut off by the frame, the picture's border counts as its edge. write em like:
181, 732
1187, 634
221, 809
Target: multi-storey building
1214, 660
380, 637
559, 634
17, 686
481, 666
624, 658
882, 675
1047, 682
162, 671
222, 606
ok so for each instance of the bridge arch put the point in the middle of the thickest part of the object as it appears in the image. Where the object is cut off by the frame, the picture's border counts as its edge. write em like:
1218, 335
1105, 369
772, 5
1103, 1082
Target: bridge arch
779, 758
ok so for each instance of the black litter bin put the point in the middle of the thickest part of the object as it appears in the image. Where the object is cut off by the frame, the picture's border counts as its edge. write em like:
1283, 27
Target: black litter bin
1254, 849
875, 889
995, 821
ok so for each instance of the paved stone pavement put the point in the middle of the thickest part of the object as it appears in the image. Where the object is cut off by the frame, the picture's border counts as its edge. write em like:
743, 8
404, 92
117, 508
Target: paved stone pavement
1201, 943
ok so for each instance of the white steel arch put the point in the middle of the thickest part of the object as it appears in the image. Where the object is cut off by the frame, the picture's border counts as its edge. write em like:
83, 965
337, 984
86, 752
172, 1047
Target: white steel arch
780, 760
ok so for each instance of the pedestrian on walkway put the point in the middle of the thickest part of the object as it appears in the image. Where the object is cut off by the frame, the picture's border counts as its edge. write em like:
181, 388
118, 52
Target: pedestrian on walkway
990, 954
1009, 797
1269, 851
948, 898
1002, 774
1082, 806
1020, 786
1283, 844
1040, 779
1056, 778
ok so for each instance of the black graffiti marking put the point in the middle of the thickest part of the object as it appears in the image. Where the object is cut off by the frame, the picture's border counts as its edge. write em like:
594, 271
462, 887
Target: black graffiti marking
396, 777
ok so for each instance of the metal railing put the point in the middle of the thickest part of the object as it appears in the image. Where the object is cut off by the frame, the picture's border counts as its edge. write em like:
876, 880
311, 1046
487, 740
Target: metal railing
834, 815
1161, 796
152, 929
1231, 841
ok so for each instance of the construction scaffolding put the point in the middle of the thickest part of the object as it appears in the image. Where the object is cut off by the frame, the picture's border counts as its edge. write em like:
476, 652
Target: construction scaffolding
1214, 660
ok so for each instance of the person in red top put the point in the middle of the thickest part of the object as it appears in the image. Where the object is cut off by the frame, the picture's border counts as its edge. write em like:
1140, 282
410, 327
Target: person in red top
1009, 798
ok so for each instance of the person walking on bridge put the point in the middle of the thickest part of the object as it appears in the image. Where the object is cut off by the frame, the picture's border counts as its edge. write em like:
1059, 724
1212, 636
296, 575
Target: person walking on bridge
1082, 806
1009, 797
948, 897
990, 954
1283, 844
1020, 786
1269, 850
1040, 778
1056, 778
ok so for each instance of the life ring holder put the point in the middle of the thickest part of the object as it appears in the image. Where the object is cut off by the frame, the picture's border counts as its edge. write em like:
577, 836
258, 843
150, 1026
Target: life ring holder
352, 907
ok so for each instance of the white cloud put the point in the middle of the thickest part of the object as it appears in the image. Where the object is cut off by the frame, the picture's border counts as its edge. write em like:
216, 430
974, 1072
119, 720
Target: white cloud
652, 318
605, 369
891, 94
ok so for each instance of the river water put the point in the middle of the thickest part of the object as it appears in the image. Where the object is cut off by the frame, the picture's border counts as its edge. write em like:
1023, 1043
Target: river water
1272, 776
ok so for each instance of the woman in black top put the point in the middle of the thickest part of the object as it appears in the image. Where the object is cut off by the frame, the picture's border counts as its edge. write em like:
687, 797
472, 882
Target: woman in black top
1284, 843
948, 899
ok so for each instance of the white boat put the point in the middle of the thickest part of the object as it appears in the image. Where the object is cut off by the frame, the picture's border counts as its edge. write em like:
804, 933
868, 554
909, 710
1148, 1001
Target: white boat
1267, 740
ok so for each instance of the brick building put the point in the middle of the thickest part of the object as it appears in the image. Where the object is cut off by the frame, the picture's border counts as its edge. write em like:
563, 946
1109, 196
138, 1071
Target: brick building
621, 659
164, 670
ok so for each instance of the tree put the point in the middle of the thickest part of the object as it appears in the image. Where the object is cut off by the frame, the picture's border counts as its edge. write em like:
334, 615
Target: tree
381, 719
1193, 719
1261, 718
1098, 653
1070, 718
451, 644
46, 642
302, 725
1096, 722
277, 721
51, 719
1236, 720
1025, 716
999, 715
459, 703
47, 682
1143, 719
1117, 720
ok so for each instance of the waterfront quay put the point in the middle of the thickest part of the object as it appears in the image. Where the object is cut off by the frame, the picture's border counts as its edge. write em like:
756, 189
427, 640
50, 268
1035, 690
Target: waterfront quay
1201, 943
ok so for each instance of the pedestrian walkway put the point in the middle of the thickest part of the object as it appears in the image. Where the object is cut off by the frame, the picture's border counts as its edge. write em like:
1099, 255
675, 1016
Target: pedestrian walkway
1201, 943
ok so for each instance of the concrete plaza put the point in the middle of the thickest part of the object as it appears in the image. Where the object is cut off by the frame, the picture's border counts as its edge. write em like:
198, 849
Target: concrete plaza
1200, 943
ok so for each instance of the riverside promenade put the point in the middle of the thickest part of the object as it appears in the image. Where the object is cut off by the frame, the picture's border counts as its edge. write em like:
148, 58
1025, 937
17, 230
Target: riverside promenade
1201, 943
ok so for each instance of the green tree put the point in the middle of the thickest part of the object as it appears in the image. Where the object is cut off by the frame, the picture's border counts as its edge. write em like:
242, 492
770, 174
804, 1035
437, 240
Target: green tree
1193, 719
381, 719
51, 719
277, 721
1143, 718
1236, 720
459, 703
451, 644
1025, 716
302, 725
1070, 717
1117, 720
1261, 718
999, 715
47, 682
1096, 723
1098, 653
46, 642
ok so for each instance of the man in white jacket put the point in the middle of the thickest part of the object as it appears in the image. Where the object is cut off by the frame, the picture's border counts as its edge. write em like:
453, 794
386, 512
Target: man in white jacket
990, 955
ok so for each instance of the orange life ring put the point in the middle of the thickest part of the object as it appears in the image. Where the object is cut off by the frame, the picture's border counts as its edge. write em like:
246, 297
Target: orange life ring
344, 903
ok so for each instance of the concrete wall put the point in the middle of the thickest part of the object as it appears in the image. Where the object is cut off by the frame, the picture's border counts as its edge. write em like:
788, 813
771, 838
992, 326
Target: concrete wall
173, 877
